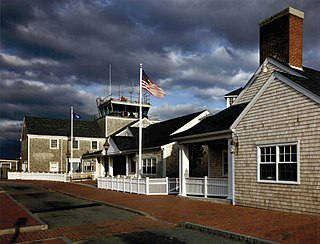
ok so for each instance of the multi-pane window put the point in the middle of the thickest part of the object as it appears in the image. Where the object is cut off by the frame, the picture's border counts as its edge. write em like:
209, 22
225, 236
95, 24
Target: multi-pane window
278, 163
54, 144
149, 166
54, 167
224, 162
94, 145
88, 165
75, 144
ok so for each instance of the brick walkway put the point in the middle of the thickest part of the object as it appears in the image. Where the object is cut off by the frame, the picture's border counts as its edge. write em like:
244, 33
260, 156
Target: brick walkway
7, 222
269, 225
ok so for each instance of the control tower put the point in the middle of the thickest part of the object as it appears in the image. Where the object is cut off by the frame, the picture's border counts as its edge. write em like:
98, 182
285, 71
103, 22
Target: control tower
116, 113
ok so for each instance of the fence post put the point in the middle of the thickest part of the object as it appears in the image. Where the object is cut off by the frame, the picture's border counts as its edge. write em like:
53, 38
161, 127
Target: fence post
138, 190
205, 186
147, 185
130, 185
167, 184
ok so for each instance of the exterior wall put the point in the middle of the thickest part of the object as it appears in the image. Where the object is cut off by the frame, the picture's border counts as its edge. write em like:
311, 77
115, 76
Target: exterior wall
280, 115
116, 123
251, 91
154, 154
172, 162
102, 124
41, 155
215, 160
24, 146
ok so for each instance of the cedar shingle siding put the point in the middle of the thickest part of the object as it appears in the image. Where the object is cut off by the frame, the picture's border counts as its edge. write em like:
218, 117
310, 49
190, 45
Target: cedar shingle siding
280, 115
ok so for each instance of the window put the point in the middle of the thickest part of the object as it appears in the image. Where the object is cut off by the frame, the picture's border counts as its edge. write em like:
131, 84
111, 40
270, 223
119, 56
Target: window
54, 166
149, 166
75, 144
225, 163
94, 145
278, 163
54, 144
88, 165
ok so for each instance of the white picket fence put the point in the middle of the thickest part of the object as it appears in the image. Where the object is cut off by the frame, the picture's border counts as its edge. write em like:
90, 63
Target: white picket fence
38, 176
206, 187
215, 187
145, 186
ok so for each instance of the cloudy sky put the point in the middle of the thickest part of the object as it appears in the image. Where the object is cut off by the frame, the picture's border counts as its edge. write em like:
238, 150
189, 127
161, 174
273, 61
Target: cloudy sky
56, 54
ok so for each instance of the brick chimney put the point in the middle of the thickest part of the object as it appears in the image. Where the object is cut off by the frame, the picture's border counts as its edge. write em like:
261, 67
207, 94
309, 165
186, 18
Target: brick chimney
281, 37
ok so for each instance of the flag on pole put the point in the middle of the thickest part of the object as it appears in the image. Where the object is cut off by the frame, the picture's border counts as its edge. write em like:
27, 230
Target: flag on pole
151, 87
76, 116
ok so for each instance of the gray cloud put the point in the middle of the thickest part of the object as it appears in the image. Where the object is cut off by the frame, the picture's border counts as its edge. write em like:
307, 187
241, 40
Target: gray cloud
55, 54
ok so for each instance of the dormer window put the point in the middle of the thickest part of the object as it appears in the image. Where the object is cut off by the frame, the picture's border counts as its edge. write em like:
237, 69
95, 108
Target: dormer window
232, 96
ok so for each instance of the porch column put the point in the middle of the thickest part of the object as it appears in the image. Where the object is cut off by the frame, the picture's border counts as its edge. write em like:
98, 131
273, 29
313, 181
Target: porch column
183, 168
139, 166
127, 165
110, 167
102, 166
230, 172
210, 160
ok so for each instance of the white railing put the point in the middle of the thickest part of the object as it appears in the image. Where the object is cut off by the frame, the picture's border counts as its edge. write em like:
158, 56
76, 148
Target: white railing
146, 186
38, 176
173, 186
216, 187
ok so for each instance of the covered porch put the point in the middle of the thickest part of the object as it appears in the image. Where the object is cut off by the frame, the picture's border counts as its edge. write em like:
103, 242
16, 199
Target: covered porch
218, 181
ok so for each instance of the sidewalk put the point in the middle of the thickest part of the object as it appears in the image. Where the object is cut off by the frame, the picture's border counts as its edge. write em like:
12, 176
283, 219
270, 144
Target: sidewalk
262, 224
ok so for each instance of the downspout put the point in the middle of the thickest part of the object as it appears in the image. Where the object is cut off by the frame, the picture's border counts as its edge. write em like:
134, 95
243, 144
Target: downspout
235, 151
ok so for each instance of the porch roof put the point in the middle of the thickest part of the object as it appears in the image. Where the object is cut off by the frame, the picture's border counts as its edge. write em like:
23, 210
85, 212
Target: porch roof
219, 122
154, 136
92, 154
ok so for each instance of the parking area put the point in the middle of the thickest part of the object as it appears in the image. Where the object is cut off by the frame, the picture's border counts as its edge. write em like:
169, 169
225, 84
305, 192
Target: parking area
75, 219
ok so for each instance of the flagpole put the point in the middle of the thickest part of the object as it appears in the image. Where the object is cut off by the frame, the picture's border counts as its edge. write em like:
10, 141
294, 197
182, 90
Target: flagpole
140, 124
71, 142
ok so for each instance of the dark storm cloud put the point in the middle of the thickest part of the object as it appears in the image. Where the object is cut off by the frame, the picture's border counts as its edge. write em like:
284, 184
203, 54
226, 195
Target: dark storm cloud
55, 54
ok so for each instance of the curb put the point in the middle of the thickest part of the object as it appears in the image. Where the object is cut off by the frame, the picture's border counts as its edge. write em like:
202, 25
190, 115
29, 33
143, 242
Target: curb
23, 229
224, 233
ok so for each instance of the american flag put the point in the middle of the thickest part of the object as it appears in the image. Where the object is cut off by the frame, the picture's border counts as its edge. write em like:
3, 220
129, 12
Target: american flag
149, 86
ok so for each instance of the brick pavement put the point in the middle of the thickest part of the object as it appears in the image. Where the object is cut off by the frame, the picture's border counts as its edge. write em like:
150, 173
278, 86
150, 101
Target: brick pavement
269, 225
23, 219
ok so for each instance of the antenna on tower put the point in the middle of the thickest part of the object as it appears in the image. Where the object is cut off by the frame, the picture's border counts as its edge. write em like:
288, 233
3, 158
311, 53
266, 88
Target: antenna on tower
131, 89
110, 90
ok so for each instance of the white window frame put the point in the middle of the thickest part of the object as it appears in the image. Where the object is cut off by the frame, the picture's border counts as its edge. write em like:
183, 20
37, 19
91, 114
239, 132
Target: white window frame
89, 166
54, 139
224, 162
51, 165
277, 145
97, 145
149, 163
78, 144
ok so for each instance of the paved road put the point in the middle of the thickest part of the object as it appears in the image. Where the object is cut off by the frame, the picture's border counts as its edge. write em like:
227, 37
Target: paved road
84, 221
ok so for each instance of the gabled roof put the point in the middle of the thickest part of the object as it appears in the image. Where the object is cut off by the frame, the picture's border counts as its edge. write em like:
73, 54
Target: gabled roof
234, 93
215, 123
62, 127
305, 77
310, 81
155, 135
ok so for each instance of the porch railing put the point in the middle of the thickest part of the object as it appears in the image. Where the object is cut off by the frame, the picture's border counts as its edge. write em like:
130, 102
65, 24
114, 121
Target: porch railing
146, 186
38, 176
173, 186
216, 187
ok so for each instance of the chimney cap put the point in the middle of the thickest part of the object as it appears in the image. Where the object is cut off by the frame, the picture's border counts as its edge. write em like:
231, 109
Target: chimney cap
288, 10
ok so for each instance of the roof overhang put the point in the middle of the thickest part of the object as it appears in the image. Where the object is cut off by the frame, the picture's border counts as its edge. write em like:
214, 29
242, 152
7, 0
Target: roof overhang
204, 137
